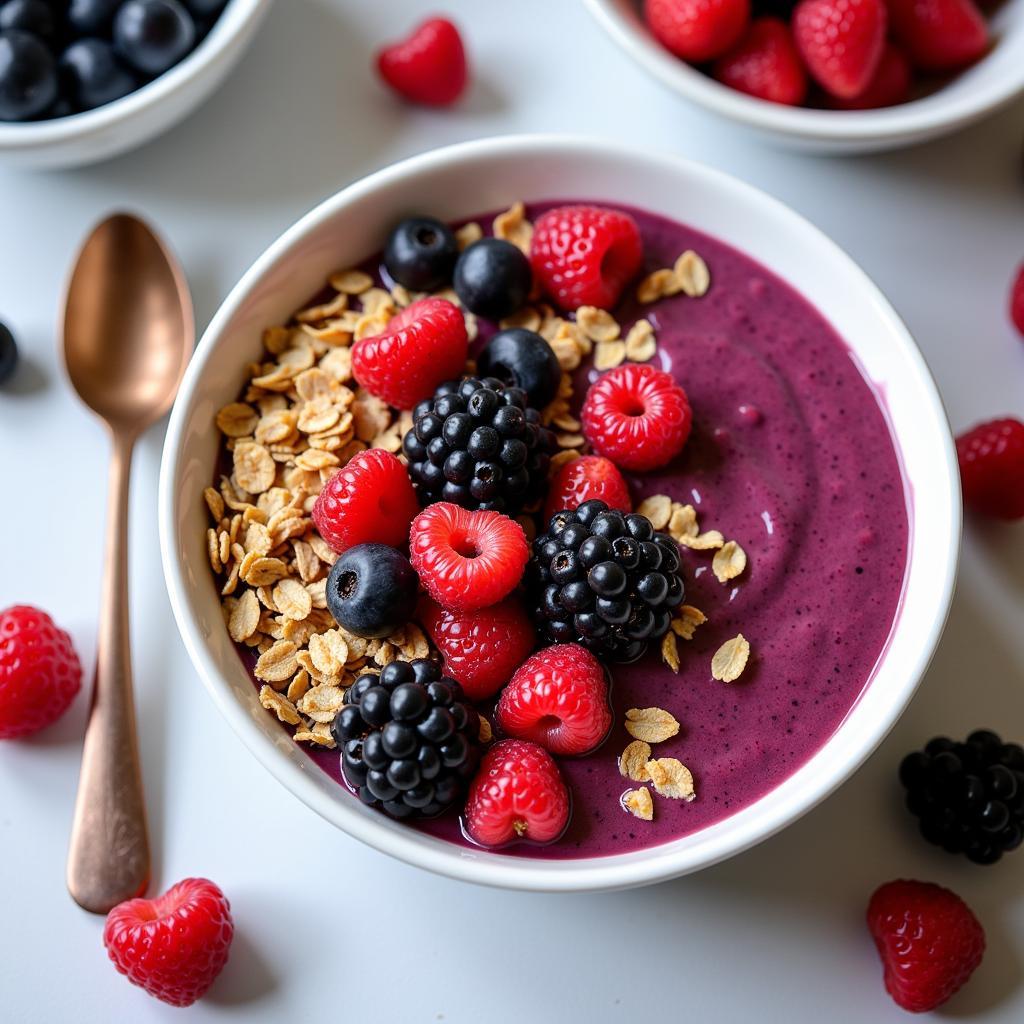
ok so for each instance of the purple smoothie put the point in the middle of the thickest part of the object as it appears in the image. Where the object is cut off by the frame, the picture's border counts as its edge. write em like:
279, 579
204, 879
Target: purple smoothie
791, 456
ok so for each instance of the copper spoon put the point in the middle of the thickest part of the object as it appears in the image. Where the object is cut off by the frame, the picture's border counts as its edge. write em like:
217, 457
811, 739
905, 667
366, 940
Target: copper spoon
128, 335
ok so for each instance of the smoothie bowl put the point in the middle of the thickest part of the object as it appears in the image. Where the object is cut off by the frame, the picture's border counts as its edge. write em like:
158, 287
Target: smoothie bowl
800, 503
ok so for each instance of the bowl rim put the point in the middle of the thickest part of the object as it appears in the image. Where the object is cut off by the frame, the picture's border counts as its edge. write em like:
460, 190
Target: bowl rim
916, 119
585, 874
226, 30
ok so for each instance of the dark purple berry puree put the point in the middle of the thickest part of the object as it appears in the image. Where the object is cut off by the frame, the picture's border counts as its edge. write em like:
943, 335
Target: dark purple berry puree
791, 457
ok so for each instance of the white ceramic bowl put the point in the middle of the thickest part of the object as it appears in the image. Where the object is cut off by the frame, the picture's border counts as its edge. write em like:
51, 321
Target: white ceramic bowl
972, 95
140, 116
489, 174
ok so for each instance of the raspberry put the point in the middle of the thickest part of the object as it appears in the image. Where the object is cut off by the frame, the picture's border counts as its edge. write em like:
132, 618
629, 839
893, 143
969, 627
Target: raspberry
637, 416
585, 255
591, 476
481, 649
929, 941
765, 64
39, 671
991, 457
559, 699
174, 946
697, 30
427, 67
369, 500
890, 85
518, 794
841, 42
1017, 301
423, 345
939, 35
467, 560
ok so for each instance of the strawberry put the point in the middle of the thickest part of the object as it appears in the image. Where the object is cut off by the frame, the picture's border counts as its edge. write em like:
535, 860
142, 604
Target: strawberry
841, 42
427, 67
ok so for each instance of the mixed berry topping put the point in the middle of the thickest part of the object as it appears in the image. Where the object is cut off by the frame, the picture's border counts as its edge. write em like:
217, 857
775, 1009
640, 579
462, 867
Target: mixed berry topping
420, 254
522, 359
968, 796
606, 580
58, 59
372, 590
409, 739
492, 278
40, 674
175, 945
478, 444
929, 940
585, 478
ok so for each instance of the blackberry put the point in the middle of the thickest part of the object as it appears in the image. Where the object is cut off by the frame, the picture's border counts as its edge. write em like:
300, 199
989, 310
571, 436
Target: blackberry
478, 444
968, 797
605, 579
409, 739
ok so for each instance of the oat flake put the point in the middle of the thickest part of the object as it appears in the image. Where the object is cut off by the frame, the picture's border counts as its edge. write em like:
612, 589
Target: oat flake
730, 659
652, 725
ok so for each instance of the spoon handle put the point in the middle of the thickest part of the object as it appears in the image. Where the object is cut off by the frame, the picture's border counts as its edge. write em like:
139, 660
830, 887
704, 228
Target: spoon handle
109, 857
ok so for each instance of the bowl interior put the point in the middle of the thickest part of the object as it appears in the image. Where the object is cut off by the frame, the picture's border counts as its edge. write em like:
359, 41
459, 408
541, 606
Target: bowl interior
992, 81
478, 176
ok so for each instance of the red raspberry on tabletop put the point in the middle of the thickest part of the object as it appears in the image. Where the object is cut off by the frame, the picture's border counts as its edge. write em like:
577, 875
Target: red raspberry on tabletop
991, 457
585, 255
929, 941
518, 793
1017, 301
590, 476
39, 671
637, 416
891, 84
174, 946
481, 649
424, 345
939, 35
467, 560
559, 699
697, 30
427, 67
765, 64
841, 42
369, 500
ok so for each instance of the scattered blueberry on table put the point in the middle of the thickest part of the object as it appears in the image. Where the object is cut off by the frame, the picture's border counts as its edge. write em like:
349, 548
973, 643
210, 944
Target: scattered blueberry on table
60, 58
8, 354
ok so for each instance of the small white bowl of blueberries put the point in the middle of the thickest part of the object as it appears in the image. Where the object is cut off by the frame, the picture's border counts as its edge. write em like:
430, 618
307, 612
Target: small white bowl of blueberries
85, 80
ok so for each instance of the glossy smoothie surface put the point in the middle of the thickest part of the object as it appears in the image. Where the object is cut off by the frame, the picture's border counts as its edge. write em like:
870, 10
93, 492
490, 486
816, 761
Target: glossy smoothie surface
790, 456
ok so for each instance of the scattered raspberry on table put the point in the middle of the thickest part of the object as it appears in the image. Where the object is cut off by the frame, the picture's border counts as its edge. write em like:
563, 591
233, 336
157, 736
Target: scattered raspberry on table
40, 674
429, 66
929, 940
991, 457
175, 945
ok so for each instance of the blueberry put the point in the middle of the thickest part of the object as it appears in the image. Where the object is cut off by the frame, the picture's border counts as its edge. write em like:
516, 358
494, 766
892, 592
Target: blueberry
492, 278
421, 253
523, 358
35, 16
371, 590
153, 35
205, 8
8, 354
92, 75
28, 76
92, 17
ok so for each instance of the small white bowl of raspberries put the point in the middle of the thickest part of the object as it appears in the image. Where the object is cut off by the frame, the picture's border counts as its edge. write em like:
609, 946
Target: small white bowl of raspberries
836, 76
431, 511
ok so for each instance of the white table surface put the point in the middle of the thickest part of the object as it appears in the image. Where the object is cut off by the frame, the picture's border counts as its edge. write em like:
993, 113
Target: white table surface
331, 930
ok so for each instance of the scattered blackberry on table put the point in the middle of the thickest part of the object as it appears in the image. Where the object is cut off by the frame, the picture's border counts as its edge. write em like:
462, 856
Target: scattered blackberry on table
420, 254
478, 444
493, 278
968, 796
8, 354
372, 590
605, 579
409, 739
522, 359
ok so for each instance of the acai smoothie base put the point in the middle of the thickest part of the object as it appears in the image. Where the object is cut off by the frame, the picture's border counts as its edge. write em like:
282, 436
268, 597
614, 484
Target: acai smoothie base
787, 500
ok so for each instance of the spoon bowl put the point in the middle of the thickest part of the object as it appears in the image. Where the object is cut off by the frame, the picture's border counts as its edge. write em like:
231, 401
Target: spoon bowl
128, 336
128, 324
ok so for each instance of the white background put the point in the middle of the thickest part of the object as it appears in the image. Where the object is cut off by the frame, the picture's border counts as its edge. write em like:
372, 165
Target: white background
330, 930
